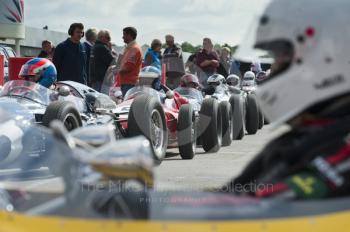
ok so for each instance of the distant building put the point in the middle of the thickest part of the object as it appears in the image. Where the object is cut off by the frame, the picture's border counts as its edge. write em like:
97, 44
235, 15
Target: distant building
31, 45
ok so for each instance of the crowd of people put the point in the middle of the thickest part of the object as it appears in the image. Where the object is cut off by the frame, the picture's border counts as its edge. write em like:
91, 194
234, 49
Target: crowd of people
87, 62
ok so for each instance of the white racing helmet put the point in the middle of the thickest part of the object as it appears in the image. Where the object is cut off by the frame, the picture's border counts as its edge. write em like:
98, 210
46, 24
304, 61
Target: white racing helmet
311, 55
233, 80
249, 76
150, 76
216, 80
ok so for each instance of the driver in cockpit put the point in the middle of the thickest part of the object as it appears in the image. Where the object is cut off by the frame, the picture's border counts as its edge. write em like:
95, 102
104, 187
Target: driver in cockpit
39, 70
149, 76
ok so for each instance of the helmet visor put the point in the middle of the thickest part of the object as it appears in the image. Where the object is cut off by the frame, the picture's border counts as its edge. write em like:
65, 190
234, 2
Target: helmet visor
214, 84
279, 52
232, 82
26, 70
28, 74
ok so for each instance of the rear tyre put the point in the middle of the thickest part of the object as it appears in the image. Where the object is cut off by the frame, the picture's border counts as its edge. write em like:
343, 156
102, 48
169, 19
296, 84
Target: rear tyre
186, 132
261, 119
241, 134
252, 116
266, 121
227, 123
238, 119
210, 125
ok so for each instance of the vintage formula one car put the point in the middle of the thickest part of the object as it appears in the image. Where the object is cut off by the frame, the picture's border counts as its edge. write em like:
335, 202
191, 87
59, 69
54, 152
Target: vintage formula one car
175, 122
249, 86
74, 104
211, 134
239, 110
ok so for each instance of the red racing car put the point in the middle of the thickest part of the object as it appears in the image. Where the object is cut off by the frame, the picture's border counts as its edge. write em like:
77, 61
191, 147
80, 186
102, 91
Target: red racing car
167, 120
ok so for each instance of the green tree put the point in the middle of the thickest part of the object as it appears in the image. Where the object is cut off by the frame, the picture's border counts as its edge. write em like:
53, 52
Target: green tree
187, 47
217, 47
196, 48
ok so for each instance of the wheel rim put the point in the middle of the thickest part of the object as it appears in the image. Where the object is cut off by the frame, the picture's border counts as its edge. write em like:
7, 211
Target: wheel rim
157, 133
71, 122
219, 125
193, 134
230, 124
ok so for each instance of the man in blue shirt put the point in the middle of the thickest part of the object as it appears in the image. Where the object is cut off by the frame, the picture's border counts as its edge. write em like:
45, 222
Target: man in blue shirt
70, 56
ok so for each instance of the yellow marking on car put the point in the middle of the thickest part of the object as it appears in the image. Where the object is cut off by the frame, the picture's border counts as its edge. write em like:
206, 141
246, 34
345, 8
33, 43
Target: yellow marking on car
14, 222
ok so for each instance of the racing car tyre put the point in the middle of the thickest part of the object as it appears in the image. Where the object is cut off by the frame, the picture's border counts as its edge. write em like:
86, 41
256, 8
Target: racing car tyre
261, 119
238, 120
186, 132
147, 117
266, 121
63, 111
227, 123
241, 133
210, 124
252, 116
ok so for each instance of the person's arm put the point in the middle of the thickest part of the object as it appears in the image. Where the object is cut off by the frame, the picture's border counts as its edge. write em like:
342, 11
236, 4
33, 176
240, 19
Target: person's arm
127, 68
215, 61
202, 62
206, 63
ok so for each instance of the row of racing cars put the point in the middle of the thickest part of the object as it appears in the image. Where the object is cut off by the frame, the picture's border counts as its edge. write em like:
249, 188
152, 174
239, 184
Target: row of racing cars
187, 117
96, 180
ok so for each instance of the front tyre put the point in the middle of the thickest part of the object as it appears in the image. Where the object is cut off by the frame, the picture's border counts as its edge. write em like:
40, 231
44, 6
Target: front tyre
146, 117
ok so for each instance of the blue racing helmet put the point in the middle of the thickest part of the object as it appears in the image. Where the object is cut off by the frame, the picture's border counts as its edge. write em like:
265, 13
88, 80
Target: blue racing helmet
43, 70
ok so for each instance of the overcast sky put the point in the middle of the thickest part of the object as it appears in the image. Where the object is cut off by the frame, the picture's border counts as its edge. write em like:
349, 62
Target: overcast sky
225, 21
